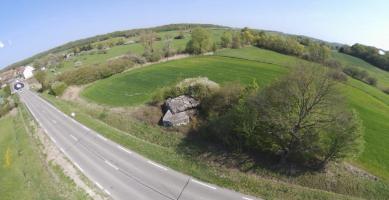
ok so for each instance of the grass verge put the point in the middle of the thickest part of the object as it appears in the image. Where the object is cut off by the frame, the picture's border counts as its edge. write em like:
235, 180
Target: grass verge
262, 183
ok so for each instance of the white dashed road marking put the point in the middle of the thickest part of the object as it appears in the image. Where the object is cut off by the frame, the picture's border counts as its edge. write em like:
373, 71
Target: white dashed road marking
112, 165
74, 138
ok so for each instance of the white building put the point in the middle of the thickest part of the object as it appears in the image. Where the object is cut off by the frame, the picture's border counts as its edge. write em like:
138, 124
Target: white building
27, 72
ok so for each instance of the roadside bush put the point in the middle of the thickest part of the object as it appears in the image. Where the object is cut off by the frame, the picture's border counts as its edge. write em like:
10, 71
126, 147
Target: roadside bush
8, 105
7, 91
88, 74
221, 101
57, 88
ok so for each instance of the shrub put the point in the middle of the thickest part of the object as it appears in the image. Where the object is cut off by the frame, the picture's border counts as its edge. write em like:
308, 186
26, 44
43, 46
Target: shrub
361, 75
371, 81
221, 101
333, 63
136, 58
198, 88
57, 88
386, 90
152, 56
338, 75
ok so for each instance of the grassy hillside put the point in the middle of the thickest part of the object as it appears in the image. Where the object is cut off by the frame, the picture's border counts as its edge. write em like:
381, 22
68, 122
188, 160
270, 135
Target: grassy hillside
381, 75
263, 55
135, 48
136, 87
23, 172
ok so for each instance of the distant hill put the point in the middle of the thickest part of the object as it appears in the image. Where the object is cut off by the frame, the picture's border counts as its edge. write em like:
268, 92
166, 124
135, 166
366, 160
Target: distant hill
125, 33
133, 32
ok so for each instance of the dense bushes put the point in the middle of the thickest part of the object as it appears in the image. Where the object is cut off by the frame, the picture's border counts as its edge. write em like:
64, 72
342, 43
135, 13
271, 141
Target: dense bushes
285, 45
152, 56
136, 58
369, 54
8, 104
57, 88
361, 75
200, 42
301, 118
198, 88
89, 74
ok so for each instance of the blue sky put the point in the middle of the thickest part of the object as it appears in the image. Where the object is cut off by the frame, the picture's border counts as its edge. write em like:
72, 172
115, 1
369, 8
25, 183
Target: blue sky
28, 27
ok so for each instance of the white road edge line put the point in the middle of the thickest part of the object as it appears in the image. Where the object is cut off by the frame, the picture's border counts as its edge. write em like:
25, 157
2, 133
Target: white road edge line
112, 165
53, 140
98, 185
246, 198
106, 191
78, 166
159, 166
203, 184
120, 147
74, 138
101, 137
84, 127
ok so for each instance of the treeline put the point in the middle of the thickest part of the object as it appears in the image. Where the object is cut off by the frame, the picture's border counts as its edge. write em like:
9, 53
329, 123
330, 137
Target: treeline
369, 54
88, 74
82, 75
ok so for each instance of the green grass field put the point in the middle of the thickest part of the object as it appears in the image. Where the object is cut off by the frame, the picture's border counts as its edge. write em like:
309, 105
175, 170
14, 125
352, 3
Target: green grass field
137, 86
267, 56
23, 171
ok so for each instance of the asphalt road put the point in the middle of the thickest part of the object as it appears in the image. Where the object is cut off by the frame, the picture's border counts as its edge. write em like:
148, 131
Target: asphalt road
120, 172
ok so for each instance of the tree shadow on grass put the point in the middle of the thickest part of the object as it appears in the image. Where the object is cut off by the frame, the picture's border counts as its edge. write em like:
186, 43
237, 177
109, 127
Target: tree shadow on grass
199, 148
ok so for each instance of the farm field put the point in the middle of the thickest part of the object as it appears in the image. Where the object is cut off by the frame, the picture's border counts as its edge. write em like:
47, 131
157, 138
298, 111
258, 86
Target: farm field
136, 48
137, 86
23, 172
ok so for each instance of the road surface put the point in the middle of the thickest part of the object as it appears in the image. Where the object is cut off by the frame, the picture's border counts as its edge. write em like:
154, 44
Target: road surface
120, 172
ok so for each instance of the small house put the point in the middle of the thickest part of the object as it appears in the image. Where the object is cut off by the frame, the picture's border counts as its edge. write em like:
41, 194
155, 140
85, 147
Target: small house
28, 72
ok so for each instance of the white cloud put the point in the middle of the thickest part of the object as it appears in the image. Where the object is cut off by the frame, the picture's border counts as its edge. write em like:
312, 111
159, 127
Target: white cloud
1, 45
